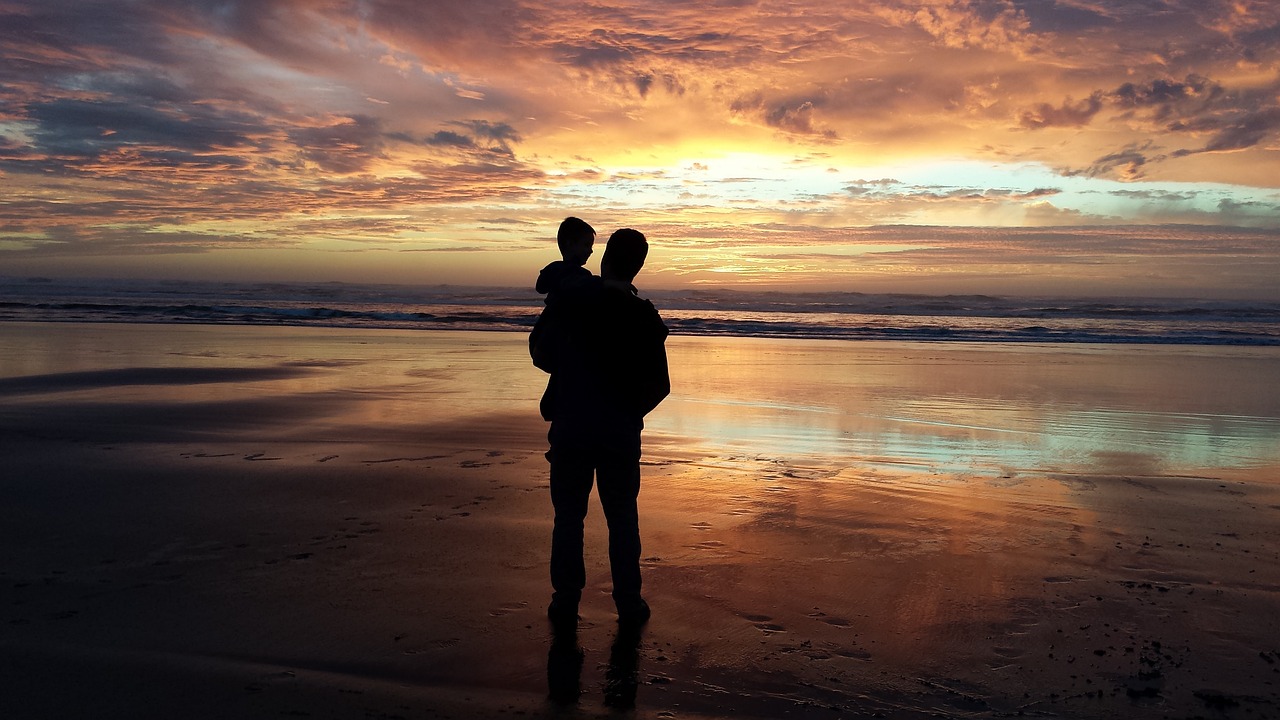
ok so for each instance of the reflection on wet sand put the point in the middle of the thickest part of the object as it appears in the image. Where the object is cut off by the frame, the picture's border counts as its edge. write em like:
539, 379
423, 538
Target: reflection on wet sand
972, 408
1040, 586
621, 673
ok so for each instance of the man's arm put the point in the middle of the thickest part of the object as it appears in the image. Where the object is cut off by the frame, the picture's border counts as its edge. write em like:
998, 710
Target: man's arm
657, 382
544, 340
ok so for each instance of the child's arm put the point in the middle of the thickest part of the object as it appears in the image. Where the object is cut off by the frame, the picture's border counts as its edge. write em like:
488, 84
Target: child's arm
550, 277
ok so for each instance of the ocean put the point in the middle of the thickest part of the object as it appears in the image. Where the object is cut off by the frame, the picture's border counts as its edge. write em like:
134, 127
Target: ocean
705, 312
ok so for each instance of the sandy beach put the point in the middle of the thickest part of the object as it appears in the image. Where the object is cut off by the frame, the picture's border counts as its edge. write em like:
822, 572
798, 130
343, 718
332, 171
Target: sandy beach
255, 522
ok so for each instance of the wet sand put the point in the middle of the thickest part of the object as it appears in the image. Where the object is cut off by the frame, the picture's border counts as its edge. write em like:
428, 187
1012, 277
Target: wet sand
213, 522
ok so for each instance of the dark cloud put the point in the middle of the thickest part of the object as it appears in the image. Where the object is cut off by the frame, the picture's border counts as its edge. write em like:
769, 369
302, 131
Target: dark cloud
1164, 91
1238, 133
792, 115
644, 82
594, 54
1229, 207
48, 39
139, 88
609, 48
347, 145
450, 138
1193, 106
1069, 114
1127, 164
479, 135
88, 127
1052, 16
494, 132
1255, 44
635, 61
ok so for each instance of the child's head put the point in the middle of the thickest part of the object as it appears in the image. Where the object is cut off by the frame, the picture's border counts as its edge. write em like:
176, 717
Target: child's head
575, 239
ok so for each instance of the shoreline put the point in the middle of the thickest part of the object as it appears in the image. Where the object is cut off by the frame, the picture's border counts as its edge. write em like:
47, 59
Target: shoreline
705, 313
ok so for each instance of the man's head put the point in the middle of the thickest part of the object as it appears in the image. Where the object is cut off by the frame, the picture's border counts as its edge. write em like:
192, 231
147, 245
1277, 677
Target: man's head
624, 255
575, 239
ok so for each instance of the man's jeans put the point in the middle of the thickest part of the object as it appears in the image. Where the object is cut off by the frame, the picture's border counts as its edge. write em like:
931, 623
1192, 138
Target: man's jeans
616, 468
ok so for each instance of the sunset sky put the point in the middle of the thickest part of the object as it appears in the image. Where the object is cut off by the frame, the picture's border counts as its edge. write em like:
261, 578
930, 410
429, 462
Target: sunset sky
1087, 147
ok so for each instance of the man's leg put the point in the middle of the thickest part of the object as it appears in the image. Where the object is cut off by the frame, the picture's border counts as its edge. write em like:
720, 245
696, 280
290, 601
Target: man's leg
571, 477
619, 486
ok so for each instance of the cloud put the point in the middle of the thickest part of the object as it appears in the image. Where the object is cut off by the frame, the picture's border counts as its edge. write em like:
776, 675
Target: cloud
791, 115
84, 127
477, 135
341, 145
1178, 110
1068, 114
993, 25
1236, 133
451, 139
1166, 95
1127, 164
454, 35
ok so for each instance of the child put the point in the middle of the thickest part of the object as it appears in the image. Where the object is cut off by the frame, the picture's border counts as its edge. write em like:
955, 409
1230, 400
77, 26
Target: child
575, 239
565, 278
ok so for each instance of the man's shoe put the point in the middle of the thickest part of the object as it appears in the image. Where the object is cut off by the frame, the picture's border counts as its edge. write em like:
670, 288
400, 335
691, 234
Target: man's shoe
633, 613
562, 613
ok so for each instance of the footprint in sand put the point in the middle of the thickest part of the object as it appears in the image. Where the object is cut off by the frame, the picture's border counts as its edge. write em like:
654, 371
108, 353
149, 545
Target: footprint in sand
508, 608
260, 456
832, 621
473, 464
479, 500
420, 458
764, 623
701, 526
1008, 653
854, 654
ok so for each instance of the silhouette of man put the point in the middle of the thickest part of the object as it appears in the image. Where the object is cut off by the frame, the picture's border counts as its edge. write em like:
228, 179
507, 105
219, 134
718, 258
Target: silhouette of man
604, 347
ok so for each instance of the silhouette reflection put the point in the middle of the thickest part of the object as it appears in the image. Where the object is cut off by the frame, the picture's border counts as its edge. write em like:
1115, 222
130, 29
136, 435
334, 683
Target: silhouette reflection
621, 674
621, 677
564, 667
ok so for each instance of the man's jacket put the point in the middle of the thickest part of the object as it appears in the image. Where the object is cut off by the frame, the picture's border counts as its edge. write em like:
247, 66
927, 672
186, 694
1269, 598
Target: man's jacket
604, 348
